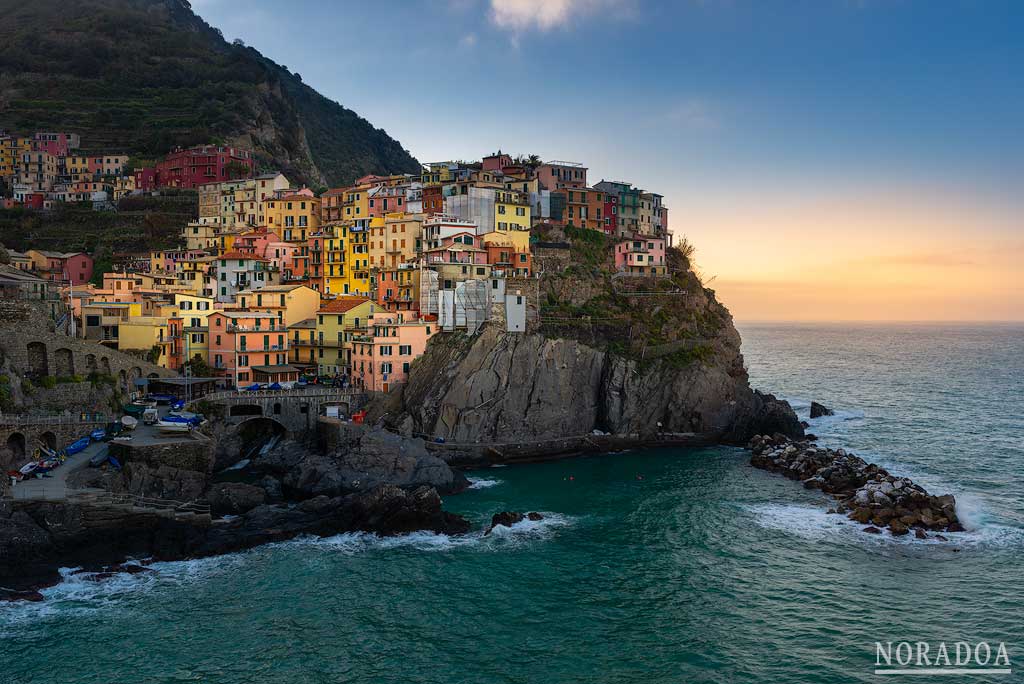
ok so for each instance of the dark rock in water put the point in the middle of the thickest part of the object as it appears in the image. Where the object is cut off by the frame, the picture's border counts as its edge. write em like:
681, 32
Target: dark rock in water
819, 410
804, 424
111, 570
874, 495
534, 515
811, 437
11, 595
871, 529
920, 534
941, 538
506, 519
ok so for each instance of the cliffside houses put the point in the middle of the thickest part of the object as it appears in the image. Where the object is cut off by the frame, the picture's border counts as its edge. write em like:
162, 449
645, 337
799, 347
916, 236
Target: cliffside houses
273, 282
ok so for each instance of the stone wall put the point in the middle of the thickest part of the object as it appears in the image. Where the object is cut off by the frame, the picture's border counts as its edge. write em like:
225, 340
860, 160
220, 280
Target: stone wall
18, 442
32, 347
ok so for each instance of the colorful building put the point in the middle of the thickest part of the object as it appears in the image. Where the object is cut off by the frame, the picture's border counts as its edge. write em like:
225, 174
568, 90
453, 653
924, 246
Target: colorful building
249, 346
383, 353
641, 255
335, 320
288, 303
195, 166
294, 216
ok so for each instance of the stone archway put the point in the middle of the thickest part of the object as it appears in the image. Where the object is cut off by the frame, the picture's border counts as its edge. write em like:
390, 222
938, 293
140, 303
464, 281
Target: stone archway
16, 447
63, 363
105, 365
49, 440
254, 433
277, 408
134, 374
123, 378
38, 359
90, 363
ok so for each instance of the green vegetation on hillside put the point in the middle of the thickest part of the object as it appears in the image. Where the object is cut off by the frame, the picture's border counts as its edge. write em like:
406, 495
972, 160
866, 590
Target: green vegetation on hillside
143, 76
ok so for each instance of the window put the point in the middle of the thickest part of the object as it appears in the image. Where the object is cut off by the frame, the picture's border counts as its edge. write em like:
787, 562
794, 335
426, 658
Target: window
385, 367
404, 349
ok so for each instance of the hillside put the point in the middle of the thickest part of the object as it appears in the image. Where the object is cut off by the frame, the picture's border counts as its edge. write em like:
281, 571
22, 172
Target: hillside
146, 75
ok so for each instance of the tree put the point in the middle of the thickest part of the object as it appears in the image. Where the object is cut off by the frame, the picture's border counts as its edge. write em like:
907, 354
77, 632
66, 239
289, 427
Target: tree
197, 368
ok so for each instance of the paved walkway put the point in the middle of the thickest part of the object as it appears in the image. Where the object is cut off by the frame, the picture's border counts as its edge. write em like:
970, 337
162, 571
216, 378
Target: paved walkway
55, 486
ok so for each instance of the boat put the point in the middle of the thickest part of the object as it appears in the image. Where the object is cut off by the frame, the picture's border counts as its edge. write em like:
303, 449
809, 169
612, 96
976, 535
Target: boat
150, 416
144, 403
98, 435
113, 430
184, 417
100, 458
114, 462
252, 388
129, 423
178, 405
173, 426
76, 446
275, 386
134, 409
29, 468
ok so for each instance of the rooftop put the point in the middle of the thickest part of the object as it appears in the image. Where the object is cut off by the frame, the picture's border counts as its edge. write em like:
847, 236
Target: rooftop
342, 304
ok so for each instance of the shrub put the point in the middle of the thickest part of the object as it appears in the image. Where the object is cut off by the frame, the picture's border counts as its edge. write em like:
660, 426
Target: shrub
47, 381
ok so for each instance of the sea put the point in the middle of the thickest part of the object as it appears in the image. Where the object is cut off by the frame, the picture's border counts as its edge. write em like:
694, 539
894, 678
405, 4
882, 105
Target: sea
656, 566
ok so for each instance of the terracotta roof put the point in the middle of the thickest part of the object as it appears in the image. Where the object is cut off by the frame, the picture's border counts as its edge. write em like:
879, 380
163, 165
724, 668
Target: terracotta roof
240, 255
342, 304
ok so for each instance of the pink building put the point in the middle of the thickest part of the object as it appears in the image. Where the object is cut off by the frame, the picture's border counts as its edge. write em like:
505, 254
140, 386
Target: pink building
255, 242
57, 144
63, 267
384, 352
557, 175
248, 347
641, 255
145, 179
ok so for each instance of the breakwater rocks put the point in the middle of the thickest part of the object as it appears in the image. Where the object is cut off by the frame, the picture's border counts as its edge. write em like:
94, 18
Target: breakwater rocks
866, 492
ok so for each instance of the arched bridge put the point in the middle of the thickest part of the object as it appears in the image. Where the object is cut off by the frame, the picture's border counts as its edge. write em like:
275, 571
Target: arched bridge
296, 409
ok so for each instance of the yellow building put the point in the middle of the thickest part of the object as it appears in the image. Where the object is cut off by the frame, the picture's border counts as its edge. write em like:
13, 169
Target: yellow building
293, 216
11, 149
200, 236
334, 322
145, 334
334, 275
356, 204
357, 262
394, 239
288, 303
302, 343
511, 210
518, 239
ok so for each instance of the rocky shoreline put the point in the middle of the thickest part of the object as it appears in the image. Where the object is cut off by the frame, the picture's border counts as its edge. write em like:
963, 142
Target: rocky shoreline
865, 492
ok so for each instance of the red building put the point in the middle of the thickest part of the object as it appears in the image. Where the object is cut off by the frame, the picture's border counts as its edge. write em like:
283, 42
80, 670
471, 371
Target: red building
145, 179
57, 144
433, 200
202, 164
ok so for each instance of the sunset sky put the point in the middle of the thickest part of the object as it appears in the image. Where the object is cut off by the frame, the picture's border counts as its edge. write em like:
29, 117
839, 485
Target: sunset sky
830, 159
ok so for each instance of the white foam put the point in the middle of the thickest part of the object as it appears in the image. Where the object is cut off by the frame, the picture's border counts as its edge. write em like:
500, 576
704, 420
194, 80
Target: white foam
815, 524
482, 482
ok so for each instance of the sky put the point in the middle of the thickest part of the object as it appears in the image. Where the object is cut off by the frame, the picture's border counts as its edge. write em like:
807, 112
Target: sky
831, 160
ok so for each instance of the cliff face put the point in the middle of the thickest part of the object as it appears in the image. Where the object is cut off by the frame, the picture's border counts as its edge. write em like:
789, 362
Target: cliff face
505, 387
142, 76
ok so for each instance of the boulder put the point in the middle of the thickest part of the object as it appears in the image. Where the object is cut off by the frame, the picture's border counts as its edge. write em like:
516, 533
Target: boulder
871, 529
234, 498
505, 519
819, 410
897, 528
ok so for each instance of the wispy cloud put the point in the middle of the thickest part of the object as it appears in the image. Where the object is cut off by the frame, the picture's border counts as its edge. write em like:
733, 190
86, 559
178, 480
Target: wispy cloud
695, 114
468, 41
544, 15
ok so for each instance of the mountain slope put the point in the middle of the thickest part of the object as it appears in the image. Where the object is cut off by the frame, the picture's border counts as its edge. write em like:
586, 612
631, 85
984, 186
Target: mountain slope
146, 75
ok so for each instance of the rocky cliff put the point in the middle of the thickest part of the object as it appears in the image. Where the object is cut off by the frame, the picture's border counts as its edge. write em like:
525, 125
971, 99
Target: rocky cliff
602, 356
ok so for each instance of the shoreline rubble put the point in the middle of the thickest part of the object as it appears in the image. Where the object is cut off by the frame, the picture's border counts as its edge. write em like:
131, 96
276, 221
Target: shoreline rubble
865, 492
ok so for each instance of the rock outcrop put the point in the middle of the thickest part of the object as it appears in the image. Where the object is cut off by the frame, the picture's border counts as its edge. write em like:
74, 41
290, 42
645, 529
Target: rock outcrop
867, 493
39, 537
501, 387
819, 410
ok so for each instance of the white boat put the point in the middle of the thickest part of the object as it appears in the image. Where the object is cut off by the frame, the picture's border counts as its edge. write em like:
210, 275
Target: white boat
129, 422
165, 426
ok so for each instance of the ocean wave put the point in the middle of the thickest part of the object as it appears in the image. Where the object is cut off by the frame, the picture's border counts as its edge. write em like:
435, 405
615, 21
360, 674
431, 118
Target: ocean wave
815, 524
361, 542
482, 482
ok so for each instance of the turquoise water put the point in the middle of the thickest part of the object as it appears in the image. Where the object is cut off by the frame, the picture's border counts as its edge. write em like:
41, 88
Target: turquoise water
704, 570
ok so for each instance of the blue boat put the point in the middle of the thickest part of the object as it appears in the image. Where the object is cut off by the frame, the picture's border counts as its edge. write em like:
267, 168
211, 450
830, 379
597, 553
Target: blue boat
275, 386
191, 419
178, 405
76, 446
114, 462
252, 388
98, 435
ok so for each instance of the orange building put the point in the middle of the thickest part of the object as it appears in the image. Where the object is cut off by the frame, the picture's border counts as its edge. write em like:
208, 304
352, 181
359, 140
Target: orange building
248, 347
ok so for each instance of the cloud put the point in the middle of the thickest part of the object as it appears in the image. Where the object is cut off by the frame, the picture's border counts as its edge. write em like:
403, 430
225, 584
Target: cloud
694, 114
468, 41
544, 15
